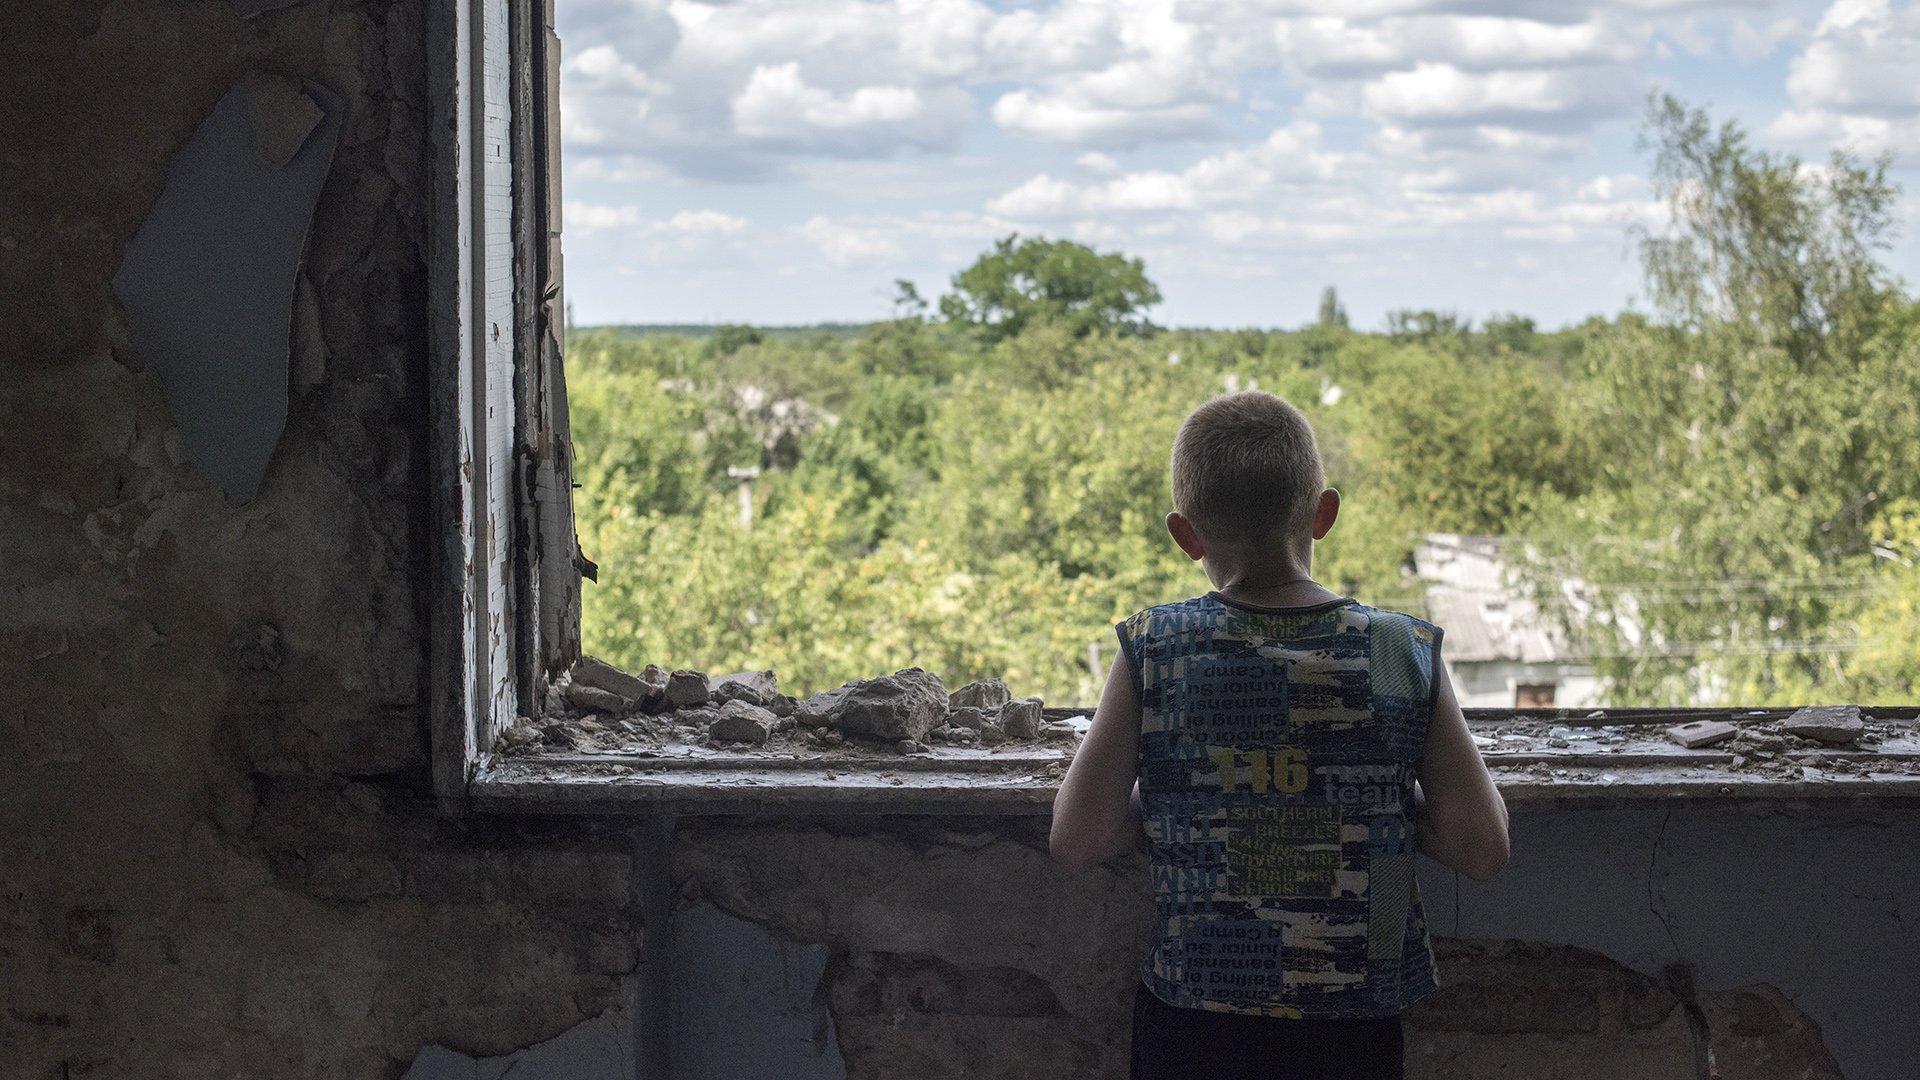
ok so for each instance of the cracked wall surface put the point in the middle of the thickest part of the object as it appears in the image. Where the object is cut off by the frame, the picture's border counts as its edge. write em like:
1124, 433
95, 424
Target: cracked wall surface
1776, 944
217, 852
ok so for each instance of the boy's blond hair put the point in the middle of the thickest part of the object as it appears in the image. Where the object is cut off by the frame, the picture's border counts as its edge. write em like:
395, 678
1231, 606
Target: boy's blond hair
1246, 469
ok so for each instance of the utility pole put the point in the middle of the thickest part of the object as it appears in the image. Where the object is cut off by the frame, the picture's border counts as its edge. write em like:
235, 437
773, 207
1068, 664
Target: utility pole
745, 476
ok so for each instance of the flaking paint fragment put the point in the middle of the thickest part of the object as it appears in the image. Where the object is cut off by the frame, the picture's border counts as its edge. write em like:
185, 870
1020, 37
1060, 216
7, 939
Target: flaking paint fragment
208, 281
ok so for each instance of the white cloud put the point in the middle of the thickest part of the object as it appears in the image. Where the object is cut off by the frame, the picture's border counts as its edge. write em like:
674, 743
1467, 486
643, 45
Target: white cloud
601, 68
777, 103
1751, 42
584, 218
843, 243
1443, 94
1854, 83
739, 89
1223, 179
1332, 47
1863, 58
1096, 162
1056, 118
1289, 189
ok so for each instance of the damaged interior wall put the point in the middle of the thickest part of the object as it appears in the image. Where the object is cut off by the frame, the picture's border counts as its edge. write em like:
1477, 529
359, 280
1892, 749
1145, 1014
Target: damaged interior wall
218, 852
1623, 941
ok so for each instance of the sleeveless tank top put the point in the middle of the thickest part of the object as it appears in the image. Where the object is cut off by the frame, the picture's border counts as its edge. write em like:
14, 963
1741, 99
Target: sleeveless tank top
1278, 751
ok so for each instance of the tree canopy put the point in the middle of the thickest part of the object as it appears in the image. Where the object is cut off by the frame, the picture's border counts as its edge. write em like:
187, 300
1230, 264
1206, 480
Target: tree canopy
1027, 280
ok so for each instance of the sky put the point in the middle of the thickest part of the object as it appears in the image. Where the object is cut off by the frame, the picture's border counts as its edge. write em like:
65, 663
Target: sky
786, 161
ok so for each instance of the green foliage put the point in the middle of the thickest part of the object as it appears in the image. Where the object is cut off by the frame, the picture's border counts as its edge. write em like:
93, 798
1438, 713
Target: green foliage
1475, 445
1743, 447
1332, 311
1509, 333
1735, 487
1035, 280
1427, 326
1760, 245
731, 338
1884, 667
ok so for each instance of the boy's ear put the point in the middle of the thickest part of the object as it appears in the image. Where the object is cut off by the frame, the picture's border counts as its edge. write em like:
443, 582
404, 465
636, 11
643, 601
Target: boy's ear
1186, 536
1326, 513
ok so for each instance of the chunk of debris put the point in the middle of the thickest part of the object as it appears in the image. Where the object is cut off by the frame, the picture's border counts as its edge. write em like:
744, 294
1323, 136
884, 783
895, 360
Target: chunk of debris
1838, 724
1702, 733
753, 687
782, 706
992, 734
1063, 729
687, 689
742, 722
985, 695
634, 689
519, 735
967, 716
958, 736
592, 698
904, 705
1020, 718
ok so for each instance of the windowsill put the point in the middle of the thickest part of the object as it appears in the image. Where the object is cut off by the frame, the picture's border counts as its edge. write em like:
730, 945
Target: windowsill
1599, 766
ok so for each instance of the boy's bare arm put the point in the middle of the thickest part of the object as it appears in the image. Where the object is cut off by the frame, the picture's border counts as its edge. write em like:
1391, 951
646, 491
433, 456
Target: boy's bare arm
1096, 814
1462, 820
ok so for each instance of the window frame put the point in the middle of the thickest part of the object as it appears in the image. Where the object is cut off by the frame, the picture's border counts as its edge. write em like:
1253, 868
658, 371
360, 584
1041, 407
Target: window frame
505, 575
506, 567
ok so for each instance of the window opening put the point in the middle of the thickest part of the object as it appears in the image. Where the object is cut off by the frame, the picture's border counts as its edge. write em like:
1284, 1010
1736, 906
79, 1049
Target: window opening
947, 485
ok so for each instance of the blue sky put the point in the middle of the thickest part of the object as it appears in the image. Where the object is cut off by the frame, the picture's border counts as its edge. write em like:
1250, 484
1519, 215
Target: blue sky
784, 161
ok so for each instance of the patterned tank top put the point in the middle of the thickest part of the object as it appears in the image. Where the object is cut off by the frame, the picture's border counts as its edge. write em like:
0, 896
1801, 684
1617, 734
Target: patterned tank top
1278, 750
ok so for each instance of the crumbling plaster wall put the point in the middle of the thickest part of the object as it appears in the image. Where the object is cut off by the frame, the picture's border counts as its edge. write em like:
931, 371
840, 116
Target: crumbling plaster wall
1626, 941
216, 852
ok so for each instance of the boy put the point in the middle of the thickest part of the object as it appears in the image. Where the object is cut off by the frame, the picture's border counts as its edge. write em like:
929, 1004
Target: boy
1286, 750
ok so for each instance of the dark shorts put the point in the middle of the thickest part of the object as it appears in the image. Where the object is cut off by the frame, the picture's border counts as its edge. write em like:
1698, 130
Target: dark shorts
1170, 1043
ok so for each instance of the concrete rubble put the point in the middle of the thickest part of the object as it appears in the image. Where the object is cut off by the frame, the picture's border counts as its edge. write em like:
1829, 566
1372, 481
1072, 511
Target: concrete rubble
687, 690
905, 705
596, 708
743, 722
1021, 718
688, 715
1699, 733
986, 695
1837, 724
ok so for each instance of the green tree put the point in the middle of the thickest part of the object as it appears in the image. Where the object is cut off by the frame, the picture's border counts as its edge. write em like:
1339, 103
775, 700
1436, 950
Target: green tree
1883, 666
1747, 442
1023, 281
1426, 325
1758, 244
1332, 312
1511, 333
732, 337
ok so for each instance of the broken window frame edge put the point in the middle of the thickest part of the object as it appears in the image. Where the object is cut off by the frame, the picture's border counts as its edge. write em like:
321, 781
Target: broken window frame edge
505, 595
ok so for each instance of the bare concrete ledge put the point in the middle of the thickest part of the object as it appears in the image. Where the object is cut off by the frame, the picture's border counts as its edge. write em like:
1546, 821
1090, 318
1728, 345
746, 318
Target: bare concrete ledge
1635, 769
